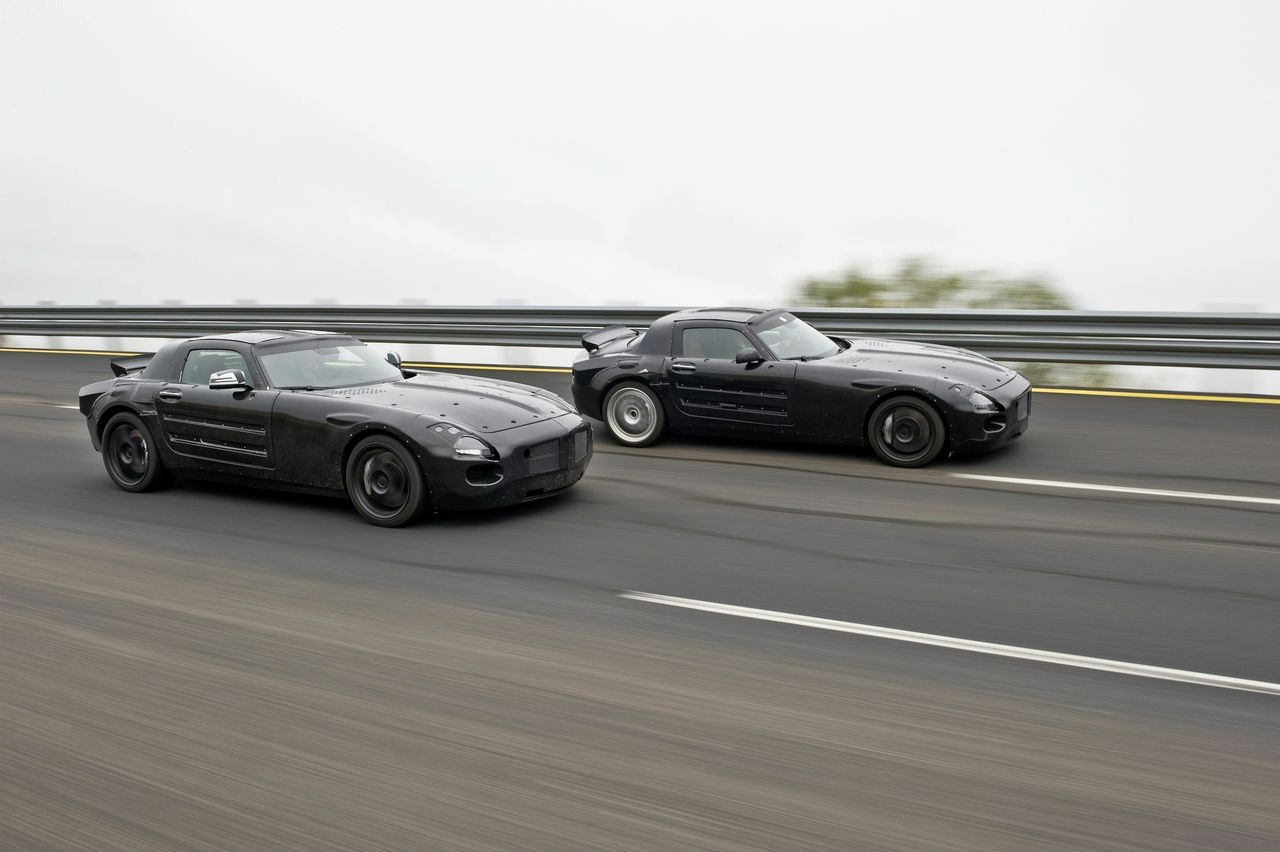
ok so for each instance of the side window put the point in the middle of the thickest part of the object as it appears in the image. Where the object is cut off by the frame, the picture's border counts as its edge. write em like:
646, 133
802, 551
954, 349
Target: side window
203, 363
712, 342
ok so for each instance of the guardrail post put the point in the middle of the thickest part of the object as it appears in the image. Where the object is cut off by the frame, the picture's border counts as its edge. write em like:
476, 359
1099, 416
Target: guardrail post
51, 342
112, 344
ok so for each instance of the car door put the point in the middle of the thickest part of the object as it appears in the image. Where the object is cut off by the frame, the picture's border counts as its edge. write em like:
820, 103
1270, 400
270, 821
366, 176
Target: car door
711, 390
216, 429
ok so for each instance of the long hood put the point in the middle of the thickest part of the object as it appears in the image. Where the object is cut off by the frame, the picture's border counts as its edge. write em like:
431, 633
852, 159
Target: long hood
924, 360
483, 405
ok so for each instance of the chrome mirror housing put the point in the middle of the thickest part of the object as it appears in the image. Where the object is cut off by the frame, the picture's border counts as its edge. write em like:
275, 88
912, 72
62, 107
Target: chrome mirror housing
229, 380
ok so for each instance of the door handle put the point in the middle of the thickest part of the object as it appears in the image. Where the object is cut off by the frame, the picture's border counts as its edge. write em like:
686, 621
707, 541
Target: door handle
682, 367
169, 396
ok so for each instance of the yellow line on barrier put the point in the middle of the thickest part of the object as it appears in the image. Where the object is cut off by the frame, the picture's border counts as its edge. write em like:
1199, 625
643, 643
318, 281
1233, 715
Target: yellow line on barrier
1189, 397
500, 368
495, 367
68, 351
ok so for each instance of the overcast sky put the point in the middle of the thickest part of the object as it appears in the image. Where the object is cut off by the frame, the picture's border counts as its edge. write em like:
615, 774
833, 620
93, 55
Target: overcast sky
655, 152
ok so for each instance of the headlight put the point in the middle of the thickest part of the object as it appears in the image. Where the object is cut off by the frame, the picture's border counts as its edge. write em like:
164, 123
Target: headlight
982, 402
470, 446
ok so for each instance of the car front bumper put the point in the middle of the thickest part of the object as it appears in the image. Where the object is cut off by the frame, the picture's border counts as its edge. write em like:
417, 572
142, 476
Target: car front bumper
978, 432
534, 461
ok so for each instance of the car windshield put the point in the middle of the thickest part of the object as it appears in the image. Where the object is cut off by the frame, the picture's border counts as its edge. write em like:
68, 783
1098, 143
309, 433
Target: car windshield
321, 364
793, 339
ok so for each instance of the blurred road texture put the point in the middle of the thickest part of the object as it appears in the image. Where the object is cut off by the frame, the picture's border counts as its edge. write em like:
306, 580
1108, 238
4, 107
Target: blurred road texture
218, 668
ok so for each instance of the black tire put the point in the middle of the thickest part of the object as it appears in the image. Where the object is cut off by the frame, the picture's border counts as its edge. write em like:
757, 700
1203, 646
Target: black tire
129, 454
633, 415
906, 431
384, 482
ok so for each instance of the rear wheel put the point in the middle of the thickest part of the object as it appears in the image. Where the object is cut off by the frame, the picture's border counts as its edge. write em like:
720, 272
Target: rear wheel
129, 454
906, 431
384, 482
633, 415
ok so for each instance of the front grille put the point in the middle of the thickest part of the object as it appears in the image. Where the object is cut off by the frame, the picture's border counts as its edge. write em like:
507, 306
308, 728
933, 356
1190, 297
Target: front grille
558, 454
544, 457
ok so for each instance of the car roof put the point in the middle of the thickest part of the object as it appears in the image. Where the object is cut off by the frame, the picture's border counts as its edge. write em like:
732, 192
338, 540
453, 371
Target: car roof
257, 338
657, 339
728, 314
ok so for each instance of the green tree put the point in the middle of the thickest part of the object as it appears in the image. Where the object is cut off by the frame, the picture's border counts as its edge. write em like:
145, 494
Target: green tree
917, 283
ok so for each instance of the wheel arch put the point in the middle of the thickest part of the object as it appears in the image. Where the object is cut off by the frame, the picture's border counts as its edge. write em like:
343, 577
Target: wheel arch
110, 412
380, 430
387, 432
634, 378
864, 433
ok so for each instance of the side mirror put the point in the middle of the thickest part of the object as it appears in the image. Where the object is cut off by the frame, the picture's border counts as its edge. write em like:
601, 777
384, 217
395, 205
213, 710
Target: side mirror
393, 358
229, 380
747, 356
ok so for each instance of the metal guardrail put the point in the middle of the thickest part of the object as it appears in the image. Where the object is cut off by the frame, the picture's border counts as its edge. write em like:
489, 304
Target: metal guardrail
1250, 341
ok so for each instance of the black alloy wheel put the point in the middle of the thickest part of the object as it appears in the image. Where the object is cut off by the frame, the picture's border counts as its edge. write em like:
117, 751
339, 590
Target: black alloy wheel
129, 456
385, 483
906, 431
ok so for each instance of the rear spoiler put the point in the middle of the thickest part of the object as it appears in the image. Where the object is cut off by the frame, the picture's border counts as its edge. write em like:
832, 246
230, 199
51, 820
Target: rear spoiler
593, 340
130, 364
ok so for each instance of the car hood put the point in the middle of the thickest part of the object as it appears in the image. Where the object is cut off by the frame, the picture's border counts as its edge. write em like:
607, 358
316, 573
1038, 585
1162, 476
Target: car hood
483, 405
921, 359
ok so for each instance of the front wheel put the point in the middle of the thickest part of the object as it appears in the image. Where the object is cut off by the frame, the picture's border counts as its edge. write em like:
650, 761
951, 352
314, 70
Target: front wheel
129, 456
384, 482
633, 415
906, 431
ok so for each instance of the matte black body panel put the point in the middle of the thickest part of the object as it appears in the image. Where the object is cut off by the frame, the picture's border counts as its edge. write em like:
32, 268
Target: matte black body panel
299, 440
825, 400
216, 427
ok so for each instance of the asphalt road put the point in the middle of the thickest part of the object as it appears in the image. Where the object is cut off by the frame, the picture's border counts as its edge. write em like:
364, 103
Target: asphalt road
218, 668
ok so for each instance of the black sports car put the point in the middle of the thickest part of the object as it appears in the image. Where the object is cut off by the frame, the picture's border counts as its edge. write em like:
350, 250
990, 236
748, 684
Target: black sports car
323, 413
766, 373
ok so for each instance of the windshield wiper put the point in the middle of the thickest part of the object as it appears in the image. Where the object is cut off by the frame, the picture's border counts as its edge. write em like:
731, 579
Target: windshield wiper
812, 357
298, 387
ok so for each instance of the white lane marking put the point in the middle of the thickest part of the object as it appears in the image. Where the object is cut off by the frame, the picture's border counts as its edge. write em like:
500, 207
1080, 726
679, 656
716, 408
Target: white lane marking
1054, 657
1120, 489
47, 405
